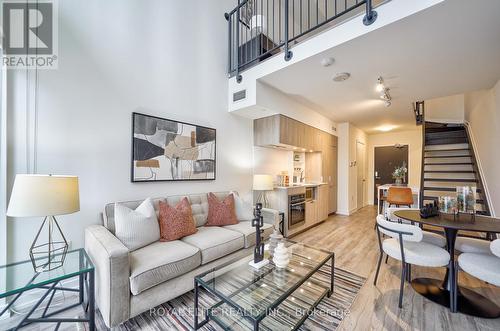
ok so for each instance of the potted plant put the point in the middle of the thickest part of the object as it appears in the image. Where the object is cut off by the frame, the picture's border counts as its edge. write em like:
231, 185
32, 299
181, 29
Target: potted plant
399, 174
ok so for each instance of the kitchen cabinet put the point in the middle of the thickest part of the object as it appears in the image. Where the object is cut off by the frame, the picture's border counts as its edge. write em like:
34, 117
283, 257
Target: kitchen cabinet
311, 212
282, 131
323, 202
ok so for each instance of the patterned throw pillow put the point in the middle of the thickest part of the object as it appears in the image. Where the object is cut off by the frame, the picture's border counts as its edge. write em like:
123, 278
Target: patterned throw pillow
176, 222
221, 213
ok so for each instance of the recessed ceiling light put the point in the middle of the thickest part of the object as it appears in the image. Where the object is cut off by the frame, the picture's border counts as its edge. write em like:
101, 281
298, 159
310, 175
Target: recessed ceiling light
386, 128
340, 77
327, 61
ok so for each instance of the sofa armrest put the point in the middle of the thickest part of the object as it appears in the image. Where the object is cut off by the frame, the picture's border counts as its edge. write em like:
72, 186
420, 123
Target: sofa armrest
112, 270
271, 216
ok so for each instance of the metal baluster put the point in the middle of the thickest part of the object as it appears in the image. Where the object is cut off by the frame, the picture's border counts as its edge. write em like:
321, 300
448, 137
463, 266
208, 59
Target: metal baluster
288, 53
238, 76
371, 15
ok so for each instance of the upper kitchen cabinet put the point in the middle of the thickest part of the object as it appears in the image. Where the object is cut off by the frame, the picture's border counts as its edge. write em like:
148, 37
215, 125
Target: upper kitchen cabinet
285, 132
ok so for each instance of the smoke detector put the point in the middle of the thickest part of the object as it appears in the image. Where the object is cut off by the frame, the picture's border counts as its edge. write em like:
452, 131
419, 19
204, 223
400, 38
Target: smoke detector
327, 61
340, 77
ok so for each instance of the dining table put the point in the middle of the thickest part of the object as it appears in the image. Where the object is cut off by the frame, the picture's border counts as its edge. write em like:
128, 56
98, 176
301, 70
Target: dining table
469, 302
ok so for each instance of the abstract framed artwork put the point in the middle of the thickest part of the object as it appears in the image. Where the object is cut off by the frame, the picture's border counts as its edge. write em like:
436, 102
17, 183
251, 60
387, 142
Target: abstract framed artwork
169, 150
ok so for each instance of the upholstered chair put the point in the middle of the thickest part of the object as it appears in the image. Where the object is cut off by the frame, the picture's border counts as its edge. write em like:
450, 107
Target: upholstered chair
428, 236
399, 196
472, 245
484, 266
405, 244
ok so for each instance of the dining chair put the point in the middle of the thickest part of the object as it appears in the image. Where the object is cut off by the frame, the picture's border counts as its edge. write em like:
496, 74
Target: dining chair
405, 244
472, 245
399, 196
485, 267
427, 236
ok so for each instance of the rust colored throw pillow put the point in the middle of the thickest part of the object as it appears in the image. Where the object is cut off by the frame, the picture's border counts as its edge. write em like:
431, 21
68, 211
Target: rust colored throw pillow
176, 222
221, 213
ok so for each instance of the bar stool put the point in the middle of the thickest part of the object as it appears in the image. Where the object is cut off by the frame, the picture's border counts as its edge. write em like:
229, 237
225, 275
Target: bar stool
399, 196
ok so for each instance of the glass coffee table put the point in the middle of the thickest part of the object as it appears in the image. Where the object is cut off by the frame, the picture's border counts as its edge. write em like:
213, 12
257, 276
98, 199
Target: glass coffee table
268, 298
18, 278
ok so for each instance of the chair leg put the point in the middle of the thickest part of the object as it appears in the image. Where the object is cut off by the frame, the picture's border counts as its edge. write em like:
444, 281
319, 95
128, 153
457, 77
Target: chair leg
386, 259
378, 268
408, 273
401, 286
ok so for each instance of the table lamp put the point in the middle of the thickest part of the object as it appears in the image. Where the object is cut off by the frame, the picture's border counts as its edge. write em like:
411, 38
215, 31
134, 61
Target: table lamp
45, 196
263, 183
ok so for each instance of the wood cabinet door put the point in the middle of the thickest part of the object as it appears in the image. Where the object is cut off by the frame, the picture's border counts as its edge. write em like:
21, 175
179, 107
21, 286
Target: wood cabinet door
332, 201
311, 212
323, 202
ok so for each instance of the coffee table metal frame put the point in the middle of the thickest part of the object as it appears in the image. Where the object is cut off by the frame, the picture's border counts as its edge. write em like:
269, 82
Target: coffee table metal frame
255, 321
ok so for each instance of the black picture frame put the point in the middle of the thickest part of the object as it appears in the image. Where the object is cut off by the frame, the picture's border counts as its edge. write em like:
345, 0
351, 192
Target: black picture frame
132, 159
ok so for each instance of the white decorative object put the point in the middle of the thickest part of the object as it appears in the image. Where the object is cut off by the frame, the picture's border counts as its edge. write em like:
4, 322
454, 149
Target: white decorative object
281, 257
258, 23
275, 238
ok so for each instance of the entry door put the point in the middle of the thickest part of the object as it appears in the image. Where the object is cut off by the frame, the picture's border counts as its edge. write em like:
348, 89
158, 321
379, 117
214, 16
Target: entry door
387, 158
361, 176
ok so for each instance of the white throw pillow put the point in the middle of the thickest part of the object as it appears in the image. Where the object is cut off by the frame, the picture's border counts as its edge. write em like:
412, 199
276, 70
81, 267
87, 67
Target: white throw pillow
136, 228
244, 210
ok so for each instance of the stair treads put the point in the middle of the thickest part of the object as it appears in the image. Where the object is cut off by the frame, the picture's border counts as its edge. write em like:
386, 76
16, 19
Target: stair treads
447, 150
457, 180
445, 156
445, 189
449, 163
451, 171
432, 197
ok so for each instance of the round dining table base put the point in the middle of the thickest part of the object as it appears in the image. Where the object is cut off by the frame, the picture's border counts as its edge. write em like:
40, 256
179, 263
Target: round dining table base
468, 302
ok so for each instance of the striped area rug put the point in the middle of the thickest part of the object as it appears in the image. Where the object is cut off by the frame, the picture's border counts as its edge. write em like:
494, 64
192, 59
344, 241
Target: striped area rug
177, 314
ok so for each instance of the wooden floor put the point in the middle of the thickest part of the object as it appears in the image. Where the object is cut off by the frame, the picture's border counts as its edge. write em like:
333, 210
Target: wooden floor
354, 242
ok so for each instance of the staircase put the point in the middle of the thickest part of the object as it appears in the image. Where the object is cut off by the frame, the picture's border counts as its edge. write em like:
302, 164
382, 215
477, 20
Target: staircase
449, 161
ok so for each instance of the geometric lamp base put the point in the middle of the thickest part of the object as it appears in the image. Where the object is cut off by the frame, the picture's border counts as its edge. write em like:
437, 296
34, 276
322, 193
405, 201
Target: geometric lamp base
46, 256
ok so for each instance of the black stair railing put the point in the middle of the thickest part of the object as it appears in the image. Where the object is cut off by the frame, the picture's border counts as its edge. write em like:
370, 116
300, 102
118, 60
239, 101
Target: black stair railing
259, 29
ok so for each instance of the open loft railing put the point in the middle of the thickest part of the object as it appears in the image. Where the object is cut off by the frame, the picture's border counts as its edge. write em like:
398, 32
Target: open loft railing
259, 29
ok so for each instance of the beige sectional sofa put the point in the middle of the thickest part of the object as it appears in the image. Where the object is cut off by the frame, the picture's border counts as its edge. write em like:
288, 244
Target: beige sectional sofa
129, 283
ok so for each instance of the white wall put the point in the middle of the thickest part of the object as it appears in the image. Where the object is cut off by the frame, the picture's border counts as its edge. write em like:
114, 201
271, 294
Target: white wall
448, 109
270, 161
343, 169
355, 135
412, 138
117, 57
482, 112
349, 135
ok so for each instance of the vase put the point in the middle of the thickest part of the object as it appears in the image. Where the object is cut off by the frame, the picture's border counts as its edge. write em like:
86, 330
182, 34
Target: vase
399, 181
273, 241
281, 257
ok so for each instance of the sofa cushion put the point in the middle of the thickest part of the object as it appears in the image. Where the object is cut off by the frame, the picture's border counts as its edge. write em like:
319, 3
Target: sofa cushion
244, 210
221, 212
136, 228
176, 222
246, 229
199, 206
159, 262
215, 242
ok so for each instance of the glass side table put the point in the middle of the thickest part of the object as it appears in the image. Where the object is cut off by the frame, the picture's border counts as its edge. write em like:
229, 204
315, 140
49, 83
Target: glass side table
18, 278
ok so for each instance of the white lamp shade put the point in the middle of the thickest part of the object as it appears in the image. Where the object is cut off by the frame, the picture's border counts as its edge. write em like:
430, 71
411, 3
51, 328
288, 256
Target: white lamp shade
262, 182
44, 195
258, 22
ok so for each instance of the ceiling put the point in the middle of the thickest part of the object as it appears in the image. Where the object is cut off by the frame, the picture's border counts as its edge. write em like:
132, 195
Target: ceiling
450, 48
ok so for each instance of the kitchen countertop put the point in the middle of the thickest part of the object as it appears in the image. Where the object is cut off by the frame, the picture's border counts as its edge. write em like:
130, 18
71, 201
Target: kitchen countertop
299, 185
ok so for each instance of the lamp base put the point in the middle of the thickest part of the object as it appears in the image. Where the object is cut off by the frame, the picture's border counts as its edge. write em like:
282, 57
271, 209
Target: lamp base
46, 256
262, 198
